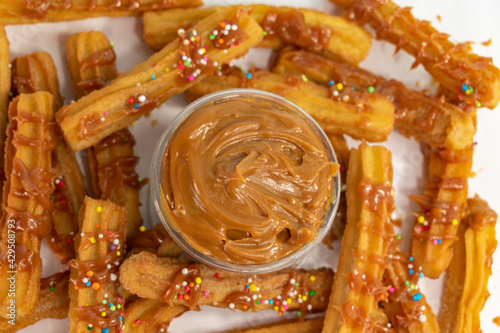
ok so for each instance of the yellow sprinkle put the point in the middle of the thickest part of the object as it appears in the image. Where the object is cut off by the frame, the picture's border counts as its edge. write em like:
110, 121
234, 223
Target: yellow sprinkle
142, 228
253, 287
467, 92
289, 300
312, 278
421, 219
167, 69
340, 86
99, 209
118, 253
304, 78
92, 240
103, 314
454, 222
197, 280
276, 308
300, 295
304, 298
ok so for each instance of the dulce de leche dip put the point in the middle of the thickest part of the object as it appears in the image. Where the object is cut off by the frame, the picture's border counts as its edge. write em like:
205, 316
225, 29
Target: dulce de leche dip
246, 181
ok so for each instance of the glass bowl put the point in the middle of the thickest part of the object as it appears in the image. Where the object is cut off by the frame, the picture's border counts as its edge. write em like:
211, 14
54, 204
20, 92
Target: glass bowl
164, 212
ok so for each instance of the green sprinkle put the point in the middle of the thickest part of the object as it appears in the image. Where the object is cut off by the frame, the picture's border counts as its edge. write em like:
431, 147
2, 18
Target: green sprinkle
407, 282
258, 302
51, 288
111, 44
478, 105
119, 306
299, 313
312, 293
104, 301
371, 89
113, 308
264, 33
52, 197
187, 63
212, 37
398, 236
250, 310
412, 287
139, 179
126, 139
471, 89
296, 284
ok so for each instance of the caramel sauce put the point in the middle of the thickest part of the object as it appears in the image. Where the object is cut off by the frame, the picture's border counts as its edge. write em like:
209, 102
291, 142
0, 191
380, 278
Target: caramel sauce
147, 239
101, 58
53, 280
227, 36
291, 28
199, 63
241, 298
174, 288
92, 314
91, 85
148, 105
480, 214
22, 84
25, 258
102, 268
373, 196
435, 183
354, 315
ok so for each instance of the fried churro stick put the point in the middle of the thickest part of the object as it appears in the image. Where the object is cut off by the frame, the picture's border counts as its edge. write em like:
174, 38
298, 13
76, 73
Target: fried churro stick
407, 307
455, 66
91, 61
286, 326
112, 108
363, 116
423, 117
36, 72
5, 81
149, 276
467, 284
441, 207
330, 35
156, 240
115, 173
30, 11
53, 302
26, 202
150, 316
357, 285
95, 303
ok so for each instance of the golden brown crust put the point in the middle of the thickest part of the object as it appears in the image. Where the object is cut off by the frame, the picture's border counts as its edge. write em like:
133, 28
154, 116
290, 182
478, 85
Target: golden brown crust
346, 41
30, 11
94, 285
455, 66
112, 108
366, 116
150, 316
423, 117
285, 326
26, 199
91, 61
5, 81
36, 72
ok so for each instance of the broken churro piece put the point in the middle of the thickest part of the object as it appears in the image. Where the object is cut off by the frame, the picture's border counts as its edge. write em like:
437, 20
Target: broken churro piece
26, 202
470, 269
31, 11
452, 65
100, 246
423, 117
358, 286
332, 36
362, 116
441, 205
91, 61
36, 72
151, 83
149, 276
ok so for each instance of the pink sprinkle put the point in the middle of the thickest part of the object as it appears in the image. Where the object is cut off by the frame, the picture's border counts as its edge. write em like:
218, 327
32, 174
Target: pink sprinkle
286, 307
79, 306
131, 100
341, 168
119, 299
419, 229
205, 58
188, 288
105, 113
232, 45
191, 78
391, 289
434, 242
205, 293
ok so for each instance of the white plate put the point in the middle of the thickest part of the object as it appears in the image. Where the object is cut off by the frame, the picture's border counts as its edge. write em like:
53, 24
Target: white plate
464, 20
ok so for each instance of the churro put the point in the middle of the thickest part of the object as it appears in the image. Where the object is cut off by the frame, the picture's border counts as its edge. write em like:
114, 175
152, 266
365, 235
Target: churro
149, 276
455, 66
470, 269
362, 116
5, 81
150, 316
32, 11
286, 326
100, 246
358, 283
91, 61
426, 118
26, 202
441, 207
35, 72
115, 174
53, 302
151, 83
317, 31
156, 240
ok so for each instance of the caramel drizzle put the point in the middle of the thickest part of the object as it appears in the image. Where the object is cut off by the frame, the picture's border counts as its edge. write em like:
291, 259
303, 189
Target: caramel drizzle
102, 269
173, 289
198, 66
241, 298
53, 280
355, 316
147, 239
25, 258
227, 37
101, 58
92, 314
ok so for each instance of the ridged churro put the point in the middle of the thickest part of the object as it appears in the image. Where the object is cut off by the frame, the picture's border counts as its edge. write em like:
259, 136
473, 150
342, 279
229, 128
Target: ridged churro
363, 116
116, 177
35, 72
470, 269
53, 302
455, 66
26, 202
317, 31
32, 11
5, 82
149, 276
441, 205
426, 118
150, 316
91, 61
151, 83
358, 286
100, 245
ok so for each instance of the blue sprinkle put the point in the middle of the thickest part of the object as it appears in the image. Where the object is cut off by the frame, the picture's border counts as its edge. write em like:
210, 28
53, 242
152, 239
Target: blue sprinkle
439, 241
105, 330
410, 271
136, 106
247, 287
411, 258
153, 77
120, 318
465, 87
249, 75
421, 275
331, 83
110, 304
270, 301
417, 297
11, 93
353, 89
88, 283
